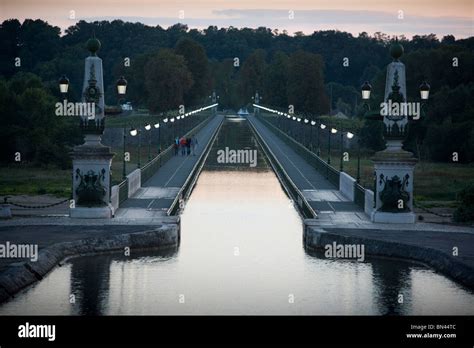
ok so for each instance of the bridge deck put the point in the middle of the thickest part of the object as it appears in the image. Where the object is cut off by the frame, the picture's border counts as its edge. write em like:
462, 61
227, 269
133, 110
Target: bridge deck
321, 194
156, 195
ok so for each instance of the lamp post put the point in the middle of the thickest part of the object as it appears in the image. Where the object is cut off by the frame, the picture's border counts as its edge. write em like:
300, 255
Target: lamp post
173, 127
311, 135
321, 126
134, 132
349, 135
148, 128
306, 121
165, 121
124, 167
179, 126
300, 130
332, 131
157, 126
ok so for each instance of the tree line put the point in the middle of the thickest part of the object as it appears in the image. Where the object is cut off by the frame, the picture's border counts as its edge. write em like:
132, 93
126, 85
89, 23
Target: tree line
315, 73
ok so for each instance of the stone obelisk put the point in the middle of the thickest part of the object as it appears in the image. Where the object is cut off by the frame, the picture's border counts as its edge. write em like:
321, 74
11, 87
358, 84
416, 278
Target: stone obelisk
394, 166
92, 161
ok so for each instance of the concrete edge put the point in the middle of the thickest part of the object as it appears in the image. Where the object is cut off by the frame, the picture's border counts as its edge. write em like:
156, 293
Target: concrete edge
17, 277
317, 238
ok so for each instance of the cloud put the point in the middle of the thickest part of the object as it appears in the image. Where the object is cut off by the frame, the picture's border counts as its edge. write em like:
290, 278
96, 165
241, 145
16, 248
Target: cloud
309, 21
336, 18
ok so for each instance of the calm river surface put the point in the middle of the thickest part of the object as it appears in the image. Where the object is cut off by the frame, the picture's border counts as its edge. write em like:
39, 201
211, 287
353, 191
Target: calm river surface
241, 252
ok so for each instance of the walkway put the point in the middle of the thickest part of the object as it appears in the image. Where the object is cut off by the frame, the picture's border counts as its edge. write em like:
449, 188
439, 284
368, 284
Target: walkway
157, 194
326, 199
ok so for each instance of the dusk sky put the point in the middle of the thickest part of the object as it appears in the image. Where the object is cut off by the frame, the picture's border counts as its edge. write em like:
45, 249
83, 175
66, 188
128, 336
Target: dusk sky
419, 17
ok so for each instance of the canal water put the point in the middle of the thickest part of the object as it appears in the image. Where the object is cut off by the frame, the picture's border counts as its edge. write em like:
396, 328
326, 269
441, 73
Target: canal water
241, 252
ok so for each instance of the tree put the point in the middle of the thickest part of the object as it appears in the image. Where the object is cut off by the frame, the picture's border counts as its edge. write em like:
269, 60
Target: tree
224, 81
33, 130
306, 83
197, 63
275, 80
167, 80
251, 75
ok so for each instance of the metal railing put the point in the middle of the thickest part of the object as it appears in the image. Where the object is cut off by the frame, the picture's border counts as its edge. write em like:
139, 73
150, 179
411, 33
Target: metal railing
186, 189
304, 208
327, 170
149, 169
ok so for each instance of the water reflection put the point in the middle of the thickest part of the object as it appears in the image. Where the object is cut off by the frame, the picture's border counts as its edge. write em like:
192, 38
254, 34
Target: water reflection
241, 252
90, 278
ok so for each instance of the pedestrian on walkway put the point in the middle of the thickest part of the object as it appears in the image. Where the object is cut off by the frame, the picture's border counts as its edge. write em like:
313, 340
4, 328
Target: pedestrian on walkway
194, 144
182, 144
176, 146
188, 146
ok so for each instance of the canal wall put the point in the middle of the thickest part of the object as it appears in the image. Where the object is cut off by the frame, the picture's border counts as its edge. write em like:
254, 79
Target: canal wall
434, 256
134, 180
21, 275
303, 207
341, 181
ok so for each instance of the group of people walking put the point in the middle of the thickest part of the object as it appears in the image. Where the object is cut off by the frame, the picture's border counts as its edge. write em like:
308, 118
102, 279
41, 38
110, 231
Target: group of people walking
187, 145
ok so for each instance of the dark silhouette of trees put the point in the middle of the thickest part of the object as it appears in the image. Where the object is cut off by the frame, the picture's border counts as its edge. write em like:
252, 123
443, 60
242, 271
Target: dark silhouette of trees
178, 65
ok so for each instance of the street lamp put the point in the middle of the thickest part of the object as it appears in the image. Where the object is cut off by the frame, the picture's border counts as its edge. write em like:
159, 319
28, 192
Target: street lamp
424, 90
300, 131
311, 135
133, 133
173, 127
321, 126
333, 131
121, 89
121, 86
148, 127
63, 85
157, 126
124, 167
366, 89
349, 135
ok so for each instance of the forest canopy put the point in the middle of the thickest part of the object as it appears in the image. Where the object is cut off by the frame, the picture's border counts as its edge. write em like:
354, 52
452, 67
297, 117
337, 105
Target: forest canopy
319, 74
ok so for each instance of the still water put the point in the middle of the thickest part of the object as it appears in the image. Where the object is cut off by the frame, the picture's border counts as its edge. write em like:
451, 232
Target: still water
241, 252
